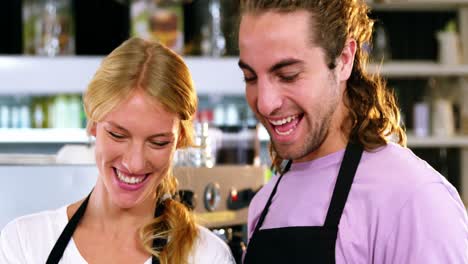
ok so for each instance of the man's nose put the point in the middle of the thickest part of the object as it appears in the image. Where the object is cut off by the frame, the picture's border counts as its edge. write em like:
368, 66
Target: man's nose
269, 97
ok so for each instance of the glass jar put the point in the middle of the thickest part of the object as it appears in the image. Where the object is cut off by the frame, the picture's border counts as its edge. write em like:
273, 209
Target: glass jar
48, 28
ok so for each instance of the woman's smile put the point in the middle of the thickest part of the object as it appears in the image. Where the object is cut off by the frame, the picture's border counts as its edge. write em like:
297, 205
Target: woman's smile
130, 182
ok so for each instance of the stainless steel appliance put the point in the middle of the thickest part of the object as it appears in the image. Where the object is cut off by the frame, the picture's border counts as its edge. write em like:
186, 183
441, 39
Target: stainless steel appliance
219, 195
222, 193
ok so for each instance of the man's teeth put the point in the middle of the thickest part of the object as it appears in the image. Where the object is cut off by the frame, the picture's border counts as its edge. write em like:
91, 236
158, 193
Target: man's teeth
129, 180
286, 132
283, 121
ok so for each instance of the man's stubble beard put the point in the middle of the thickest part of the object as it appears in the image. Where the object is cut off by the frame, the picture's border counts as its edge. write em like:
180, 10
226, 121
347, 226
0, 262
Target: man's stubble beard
312, 142
319, 130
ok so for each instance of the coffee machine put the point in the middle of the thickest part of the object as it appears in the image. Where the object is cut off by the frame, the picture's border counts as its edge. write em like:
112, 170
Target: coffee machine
219, 196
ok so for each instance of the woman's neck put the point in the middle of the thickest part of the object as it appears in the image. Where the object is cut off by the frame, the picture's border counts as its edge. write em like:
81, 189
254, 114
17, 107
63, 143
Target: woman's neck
105, 215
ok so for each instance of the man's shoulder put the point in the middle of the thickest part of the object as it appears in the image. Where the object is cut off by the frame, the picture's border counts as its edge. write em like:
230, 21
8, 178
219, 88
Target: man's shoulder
394, 165
393, 176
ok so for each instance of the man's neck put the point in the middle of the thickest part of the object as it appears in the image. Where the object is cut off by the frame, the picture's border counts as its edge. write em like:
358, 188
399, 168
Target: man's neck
334, 141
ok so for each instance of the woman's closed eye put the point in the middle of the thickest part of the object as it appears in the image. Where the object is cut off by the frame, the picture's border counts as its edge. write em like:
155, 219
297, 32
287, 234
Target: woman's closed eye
160, 144
116, 135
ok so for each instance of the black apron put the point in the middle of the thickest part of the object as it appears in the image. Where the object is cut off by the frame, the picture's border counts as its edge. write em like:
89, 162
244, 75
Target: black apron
305, 244
67, 233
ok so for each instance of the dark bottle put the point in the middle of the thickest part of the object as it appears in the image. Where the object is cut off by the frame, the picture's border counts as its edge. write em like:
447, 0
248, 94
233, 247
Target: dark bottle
237, 245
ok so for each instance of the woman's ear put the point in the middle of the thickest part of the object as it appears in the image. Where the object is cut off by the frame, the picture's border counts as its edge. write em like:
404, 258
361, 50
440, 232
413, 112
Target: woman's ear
92, 129
180, 138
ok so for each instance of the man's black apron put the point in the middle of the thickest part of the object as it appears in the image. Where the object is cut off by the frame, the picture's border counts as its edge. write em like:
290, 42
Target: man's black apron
67, 233
305, 244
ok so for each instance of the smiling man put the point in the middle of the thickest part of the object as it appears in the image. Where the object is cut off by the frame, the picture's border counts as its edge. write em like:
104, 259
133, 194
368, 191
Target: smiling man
346, 194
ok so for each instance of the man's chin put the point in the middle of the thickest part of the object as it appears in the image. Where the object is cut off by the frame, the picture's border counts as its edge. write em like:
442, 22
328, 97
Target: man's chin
286, 152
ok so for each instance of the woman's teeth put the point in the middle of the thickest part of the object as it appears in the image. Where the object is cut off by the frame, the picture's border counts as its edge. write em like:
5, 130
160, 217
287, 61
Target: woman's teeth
129, 180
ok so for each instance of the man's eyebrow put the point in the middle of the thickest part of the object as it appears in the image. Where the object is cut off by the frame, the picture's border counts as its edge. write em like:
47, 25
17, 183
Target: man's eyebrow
285, 63
245, 66
277, 66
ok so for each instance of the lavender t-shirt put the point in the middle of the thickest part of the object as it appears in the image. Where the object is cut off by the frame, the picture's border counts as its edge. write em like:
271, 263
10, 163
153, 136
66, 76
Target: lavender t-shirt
399, 209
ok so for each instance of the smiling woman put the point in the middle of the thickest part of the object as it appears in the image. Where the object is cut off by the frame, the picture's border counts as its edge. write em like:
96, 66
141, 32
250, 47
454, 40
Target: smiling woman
140, 105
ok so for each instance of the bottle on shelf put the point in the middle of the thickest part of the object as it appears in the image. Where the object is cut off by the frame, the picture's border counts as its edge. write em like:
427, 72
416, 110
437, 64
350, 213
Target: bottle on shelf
218, 41
380, 51
74, 111
159, 20
5, 112
421, 118
24, 113
38, 113
201, 153
15, 113
48, 28
449, 46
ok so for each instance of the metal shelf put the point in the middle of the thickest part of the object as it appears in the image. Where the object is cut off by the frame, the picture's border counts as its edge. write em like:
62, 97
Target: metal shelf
42, 75
71, 74
79, 136
411, 69
418, 5
44, 136
456, 141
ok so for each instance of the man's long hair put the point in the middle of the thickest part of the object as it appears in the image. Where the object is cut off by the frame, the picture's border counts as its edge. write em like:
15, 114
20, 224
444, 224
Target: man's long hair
373, 112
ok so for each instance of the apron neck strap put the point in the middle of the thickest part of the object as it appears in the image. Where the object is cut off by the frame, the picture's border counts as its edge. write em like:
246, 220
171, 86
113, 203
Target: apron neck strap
267, 206
343, 183
67, 233
340, 194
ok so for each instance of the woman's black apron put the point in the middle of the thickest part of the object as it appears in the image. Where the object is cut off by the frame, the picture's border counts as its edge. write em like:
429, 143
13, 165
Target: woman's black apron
305, 244
67, 233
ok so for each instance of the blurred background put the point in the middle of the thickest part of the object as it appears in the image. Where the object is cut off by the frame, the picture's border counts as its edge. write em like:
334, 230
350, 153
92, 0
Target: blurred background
49, 50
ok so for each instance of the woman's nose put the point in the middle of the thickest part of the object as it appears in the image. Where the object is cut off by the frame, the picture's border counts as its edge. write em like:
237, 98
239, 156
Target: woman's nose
134, 159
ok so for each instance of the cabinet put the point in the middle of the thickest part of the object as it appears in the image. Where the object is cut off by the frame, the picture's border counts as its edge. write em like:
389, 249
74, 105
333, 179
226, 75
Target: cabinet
427, 67
39, 75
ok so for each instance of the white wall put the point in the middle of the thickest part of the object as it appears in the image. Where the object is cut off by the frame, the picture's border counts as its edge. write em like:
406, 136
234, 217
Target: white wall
29, 189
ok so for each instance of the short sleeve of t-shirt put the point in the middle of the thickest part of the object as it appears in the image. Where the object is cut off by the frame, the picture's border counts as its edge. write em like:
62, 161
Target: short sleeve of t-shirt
425, 232
29, 239
10, 245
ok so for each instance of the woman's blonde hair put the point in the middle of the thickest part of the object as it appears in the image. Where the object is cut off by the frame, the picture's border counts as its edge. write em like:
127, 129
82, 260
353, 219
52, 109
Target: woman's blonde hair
163, 75
373, 111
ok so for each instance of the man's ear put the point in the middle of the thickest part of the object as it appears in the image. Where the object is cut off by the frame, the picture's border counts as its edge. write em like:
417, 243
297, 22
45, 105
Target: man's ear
346, 60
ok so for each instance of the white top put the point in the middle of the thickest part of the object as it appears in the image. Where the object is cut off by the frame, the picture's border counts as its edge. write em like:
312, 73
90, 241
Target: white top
30, 239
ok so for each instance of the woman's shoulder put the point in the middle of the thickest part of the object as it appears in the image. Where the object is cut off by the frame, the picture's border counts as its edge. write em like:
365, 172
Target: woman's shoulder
38, 222
33, 232
209, 248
